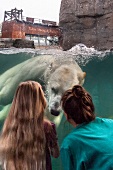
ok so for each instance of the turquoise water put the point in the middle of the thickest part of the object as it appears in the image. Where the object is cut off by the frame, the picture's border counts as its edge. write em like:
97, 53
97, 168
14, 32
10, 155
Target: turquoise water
99, 82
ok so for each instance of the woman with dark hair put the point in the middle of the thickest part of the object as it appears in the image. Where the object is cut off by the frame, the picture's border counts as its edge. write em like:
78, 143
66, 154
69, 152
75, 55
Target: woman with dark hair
90, 145
28, 139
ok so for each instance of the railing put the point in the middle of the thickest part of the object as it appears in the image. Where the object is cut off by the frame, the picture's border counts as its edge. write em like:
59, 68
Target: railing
39, 21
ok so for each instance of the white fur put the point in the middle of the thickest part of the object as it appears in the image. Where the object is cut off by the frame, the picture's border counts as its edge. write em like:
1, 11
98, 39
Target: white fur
59, 74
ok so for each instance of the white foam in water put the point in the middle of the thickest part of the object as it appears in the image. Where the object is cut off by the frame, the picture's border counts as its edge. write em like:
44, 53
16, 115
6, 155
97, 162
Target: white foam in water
13, 50
80, 53
81, 48
84, 54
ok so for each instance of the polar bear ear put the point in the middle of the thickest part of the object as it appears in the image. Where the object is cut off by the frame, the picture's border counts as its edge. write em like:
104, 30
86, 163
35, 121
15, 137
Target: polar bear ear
81, 77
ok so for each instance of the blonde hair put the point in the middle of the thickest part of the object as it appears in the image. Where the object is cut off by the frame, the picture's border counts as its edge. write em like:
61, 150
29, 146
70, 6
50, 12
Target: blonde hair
22, 142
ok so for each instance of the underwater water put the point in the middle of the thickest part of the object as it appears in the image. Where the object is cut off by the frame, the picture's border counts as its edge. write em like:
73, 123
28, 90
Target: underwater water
99, 79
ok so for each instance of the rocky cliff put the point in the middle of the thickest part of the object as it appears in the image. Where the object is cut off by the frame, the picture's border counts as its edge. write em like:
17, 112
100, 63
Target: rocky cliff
87, 21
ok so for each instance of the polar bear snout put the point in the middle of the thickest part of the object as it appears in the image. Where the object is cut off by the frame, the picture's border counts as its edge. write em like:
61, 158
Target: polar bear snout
55, 108
54, 104
55, 112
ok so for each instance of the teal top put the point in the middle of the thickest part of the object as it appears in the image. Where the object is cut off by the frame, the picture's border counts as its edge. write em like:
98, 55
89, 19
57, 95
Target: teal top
89, 146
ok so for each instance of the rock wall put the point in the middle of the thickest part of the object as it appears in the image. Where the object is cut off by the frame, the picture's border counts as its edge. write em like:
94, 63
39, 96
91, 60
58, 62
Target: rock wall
86, 21
22, 43
18, 43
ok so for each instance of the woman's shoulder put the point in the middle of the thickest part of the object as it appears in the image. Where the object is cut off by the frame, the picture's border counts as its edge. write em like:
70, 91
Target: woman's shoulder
48, 123
49, 126
50, 133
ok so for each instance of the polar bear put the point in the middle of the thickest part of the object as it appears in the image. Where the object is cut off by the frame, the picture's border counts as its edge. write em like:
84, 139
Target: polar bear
56, 74
60, 76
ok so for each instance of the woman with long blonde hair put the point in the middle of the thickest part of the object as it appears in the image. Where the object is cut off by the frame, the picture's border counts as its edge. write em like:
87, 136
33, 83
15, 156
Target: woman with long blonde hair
24, 142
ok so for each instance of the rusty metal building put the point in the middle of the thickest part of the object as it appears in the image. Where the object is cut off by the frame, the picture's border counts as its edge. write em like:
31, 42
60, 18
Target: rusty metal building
15, 27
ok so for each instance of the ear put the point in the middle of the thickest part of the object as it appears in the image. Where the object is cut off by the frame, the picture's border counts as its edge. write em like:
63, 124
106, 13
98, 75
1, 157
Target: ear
81, 77
67, 116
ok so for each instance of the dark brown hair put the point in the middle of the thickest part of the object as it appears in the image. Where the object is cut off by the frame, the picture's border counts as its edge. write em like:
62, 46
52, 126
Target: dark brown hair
78, 105
22, 142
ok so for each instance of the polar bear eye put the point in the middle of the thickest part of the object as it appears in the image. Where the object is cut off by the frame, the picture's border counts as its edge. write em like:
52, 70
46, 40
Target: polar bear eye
54, 90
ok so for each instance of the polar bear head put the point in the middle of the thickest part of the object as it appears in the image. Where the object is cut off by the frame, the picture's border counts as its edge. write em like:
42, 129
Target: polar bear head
60, 79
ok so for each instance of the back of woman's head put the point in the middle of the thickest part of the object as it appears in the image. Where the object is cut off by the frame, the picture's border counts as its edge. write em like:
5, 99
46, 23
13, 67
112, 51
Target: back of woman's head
77, 104
29, 101
23, 139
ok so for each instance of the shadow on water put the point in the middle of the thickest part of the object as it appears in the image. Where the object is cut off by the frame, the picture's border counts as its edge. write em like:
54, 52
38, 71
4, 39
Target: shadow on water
99, 82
